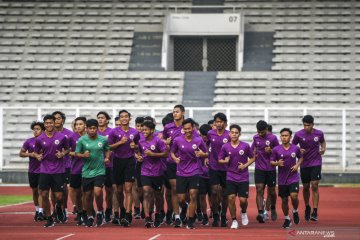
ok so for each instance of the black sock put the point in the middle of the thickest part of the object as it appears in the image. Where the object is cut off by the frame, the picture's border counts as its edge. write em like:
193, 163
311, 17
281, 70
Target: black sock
315, 210
205, 215
308, 206
272, 207
116, 214
243, 211
260, 211
234, 218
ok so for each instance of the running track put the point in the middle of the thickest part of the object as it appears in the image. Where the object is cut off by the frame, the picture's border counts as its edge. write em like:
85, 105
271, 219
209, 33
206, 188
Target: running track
338, 214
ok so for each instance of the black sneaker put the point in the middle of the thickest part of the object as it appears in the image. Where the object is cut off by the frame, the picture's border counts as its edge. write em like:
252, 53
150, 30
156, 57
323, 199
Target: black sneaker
287, 223
162, 216
200, 217
168, 217
223, 221
36, 216
183, 214
205, 221
40, 217
148, 222
314, 216
55, 217
126, 220
157, 221
49, 222
75, 210
215, 222
89, 222
177, 223
99, 219
65, 218
296, 217
191, 224
273, 215
59, 214
108, 212
79, 219
260, 218
307, 213
115, 221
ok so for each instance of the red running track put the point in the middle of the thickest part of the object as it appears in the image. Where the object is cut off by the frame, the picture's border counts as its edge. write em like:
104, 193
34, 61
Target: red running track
338, 218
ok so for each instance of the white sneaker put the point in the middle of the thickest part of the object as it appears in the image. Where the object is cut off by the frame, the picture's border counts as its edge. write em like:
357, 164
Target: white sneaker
244, 219
234, 225
266, 215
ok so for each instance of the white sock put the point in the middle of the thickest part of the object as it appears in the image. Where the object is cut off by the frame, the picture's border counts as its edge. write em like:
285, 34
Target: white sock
265, 212
243, 214
99, 212
37, 208
295, 210
177, 216
41, 210
287, 217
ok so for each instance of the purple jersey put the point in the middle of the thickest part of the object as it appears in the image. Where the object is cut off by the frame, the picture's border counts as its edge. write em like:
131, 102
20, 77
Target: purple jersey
48, 146
262, 161
164, 159
285, 176
203, 169
106, 134
215, 142
239, 154
152, 166
34, 164
67, 158
189, 163
123, 150
311, 143
76, 163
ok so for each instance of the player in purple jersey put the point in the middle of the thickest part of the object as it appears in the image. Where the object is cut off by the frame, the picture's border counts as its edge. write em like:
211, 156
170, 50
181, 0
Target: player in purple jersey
216, 139
59, 126
313, 146
50, 148
186, 151
238, 156
103, 119
151, 150
123, 142
284, 157
76, 168
27, 150
265, 174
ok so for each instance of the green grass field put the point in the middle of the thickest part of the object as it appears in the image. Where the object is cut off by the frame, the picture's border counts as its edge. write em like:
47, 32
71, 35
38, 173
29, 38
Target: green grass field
12, 199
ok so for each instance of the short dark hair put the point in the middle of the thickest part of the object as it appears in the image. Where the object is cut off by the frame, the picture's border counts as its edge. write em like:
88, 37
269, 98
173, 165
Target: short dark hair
286, 130
220, 116
269, 127
49, 116
80, 119
92, 122
149, 118
188, 120
204, 129
148, 124
166, 120
116, 118
235, 126
308, 119
210, 122
62, 115
139, 120
124, 111
36, 123
261, 125
107, 116
182, 108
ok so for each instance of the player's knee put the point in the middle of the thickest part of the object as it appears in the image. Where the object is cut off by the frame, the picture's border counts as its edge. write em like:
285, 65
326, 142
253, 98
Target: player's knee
314, 186
231, 198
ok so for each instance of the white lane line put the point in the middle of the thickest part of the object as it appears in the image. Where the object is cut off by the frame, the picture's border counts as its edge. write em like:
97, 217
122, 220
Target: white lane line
16, 204
66, 236
154, 237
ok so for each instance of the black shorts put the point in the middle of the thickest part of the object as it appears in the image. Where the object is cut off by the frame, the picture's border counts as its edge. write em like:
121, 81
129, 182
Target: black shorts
265, 177
166, 182
309, 174
67, 175
240, 189
184, 184
108, 177
123, 170
171, 170
217, 178
138, 174
285, 190
204, 186
33, 179
75, 180
88, 184
154, 182
55, 182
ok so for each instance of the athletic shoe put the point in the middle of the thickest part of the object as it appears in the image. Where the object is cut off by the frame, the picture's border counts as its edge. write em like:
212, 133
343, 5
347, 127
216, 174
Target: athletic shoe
137, 213
168, 217
287, 223
99, 219
108, 212
244, 219
223, 221
177, 223
215, 222
200, 216
126, 220
90, 222
59, 214
55, 217
40, 217
75, 210
122, 214
36, 216
205, 221
307, 213
273, 215
314, 216
79, 219
49, 222
296, 217
265, 215
65, 218
148, 222
260, 218
190, 224
183, 214
234, 224
157, 221
116, 221
162, 217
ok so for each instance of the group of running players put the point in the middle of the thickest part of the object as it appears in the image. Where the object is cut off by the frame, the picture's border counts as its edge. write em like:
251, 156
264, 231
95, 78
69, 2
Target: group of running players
187, 165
